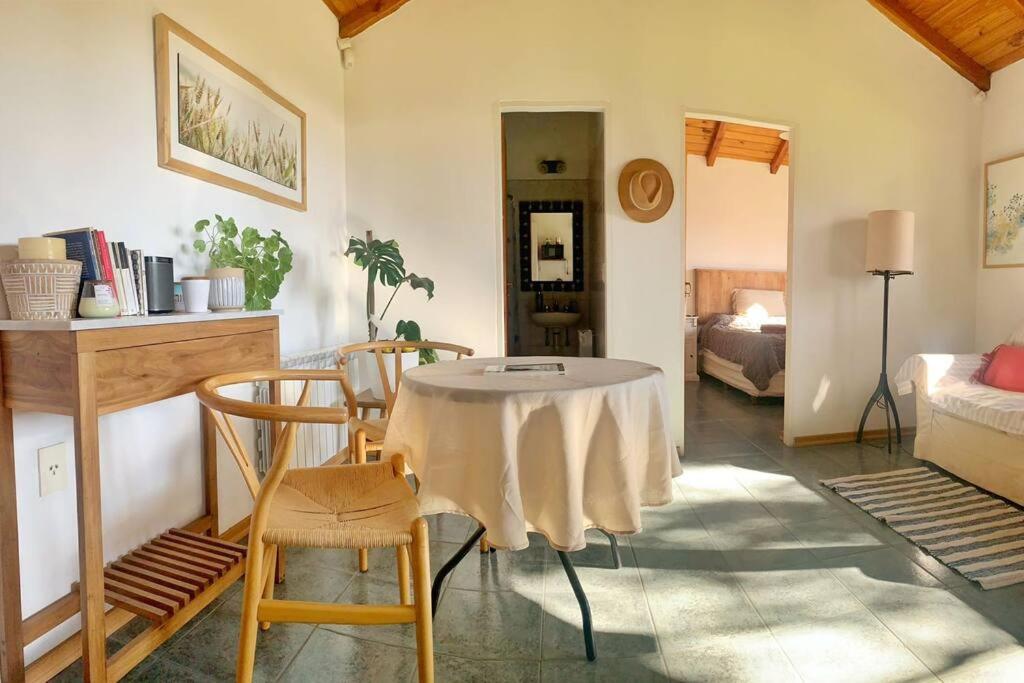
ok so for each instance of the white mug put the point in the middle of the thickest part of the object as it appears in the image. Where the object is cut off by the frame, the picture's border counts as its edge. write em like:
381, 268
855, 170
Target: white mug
197, 294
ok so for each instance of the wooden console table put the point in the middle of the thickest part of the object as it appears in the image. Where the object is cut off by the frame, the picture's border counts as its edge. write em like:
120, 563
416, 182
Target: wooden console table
88, 368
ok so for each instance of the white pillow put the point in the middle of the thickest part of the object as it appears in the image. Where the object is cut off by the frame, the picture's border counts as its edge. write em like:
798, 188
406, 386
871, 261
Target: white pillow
773, 302
1017, 338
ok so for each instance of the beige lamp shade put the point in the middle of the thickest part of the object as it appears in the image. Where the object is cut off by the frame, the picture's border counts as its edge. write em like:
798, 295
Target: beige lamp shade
890, 242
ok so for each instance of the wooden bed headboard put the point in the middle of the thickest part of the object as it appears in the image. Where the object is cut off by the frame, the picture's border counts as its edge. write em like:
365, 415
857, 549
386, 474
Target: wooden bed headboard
712, 289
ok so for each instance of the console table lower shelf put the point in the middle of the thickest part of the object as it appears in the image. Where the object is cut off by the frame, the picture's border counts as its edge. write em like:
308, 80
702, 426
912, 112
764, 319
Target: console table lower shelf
166, 581
163, 576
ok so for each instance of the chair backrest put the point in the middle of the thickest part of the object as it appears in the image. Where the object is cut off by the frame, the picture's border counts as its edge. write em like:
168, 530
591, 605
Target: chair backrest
379, 349
290, 416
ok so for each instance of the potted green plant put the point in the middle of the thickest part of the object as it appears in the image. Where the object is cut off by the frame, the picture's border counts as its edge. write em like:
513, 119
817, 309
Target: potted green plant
383, 263
263, 261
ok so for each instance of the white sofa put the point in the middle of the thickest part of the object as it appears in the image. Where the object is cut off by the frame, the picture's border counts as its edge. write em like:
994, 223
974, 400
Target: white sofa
970, 429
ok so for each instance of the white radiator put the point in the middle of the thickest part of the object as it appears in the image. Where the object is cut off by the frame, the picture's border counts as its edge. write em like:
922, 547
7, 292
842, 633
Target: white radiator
314, 443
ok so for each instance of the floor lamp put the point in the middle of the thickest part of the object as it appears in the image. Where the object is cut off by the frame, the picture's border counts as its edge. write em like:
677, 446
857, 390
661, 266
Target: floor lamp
890, 252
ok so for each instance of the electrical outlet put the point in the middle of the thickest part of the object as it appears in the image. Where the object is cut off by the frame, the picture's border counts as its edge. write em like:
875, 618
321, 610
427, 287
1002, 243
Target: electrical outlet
53, 469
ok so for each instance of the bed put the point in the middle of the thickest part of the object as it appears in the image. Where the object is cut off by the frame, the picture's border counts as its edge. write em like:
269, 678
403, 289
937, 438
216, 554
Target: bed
745, 352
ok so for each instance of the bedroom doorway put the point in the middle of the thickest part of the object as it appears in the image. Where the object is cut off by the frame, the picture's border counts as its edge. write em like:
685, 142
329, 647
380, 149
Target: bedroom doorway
736, 237
553, 232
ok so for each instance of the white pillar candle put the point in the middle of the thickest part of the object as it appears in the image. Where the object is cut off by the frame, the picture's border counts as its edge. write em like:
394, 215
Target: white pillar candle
42, 249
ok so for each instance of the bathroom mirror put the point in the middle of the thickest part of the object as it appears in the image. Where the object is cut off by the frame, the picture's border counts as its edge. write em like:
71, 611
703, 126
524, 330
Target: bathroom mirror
551, 245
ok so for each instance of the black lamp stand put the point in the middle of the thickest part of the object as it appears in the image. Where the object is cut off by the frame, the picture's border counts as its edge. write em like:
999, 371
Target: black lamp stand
883, 396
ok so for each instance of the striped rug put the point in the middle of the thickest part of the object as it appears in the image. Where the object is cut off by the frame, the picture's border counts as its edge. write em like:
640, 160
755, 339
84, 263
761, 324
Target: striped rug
967, 529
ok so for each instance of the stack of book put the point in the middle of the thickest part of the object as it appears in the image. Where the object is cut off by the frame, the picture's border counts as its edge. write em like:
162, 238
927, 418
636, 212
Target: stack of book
112, 261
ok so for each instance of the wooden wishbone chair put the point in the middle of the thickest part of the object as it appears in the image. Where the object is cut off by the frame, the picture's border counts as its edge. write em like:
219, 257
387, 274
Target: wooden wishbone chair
368, 505
366, 435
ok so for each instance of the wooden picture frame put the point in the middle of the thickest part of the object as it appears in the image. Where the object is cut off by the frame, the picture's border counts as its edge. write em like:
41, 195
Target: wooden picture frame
1002, 220
218, 122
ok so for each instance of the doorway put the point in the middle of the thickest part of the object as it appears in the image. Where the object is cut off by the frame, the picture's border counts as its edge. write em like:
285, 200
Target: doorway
736, 239
553, 229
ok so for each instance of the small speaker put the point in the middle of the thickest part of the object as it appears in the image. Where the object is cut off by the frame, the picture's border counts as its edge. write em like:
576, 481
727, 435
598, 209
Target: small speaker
160, 284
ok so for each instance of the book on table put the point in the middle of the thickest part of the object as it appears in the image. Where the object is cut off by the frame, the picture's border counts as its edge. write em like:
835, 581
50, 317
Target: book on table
527, 368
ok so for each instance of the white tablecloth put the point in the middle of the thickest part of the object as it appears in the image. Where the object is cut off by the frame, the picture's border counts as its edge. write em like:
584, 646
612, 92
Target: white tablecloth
554, 454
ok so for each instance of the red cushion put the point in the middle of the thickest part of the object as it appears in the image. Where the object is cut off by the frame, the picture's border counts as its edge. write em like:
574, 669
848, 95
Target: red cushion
1006, 368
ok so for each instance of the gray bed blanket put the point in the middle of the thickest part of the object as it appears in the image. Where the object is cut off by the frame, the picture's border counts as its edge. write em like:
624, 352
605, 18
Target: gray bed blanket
760, 354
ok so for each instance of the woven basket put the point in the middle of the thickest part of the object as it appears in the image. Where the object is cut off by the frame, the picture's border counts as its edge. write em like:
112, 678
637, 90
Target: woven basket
41, 290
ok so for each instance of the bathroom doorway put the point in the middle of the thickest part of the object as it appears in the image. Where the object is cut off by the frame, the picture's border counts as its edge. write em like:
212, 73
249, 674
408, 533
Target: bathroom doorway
553, 229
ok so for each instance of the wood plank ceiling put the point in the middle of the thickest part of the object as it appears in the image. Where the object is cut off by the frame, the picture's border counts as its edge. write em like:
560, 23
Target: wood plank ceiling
975, 37
355, 16
712, 139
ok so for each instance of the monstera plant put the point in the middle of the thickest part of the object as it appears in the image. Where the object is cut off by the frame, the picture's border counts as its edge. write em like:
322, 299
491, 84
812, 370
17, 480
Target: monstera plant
383, 263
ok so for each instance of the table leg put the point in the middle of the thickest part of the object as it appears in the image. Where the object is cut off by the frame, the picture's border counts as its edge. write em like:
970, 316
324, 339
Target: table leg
616, 558
209, 446
12, 657
449, 566
90, 520
581, 598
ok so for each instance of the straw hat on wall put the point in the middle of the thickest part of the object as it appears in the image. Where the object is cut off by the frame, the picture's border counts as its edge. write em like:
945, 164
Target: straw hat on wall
645, 190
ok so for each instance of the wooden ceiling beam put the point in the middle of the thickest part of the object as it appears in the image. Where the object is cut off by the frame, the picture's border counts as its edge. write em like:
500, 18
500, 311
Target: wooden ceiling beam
1016, 5
716, 143
357, 20
1007, 59
780, 154
920, 31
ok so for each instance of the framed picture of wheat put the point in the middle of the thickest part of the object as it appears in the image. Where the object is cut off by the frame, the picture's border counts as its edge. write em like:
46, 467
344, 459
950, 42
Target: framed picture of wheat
218, 122
1003, 245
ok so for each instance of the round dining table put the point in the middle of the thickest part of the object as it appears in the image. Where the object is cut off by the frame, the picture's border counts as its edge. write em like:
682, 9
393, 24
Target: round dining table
549, 445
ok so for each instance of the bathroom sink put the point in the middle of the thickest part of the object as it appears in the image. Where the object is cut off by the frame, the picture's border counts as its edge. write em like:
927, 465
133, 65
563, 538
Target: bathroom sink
555, 318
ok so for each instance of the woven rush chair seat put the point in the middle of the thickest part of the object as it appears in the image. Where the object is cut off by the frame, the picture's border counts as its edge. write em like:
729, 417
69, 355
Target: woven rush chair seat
354, 506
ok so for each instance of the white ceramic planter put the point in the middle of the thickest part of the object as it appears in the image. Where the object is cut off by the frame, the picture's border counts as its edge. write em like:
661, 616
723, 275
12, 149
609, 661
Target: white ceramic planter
371, 374
227, 289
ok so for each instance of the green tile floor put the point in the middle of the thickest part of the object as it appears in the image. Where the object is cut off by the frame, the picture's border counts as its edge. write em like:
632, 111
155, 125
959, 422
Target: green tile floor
754, 573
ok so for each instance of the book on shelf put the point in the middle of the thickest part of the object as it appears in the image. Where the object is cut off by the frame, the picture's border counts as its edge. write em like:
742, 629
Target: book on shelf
104, 250
128, 277
131, 299
112, 261
115, 260
82, 248
139, 273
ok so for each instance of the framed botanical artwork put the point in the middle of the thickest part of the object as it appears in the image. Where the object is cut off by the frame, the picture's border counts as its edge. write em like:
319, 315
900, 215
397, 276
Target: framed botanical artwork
218, 122
1003, 245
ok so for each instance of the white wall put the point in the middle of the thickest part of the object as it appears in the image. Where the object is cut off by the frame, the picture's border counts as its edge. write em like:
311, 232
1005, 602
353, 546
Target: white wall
78, 148
878, 122
737, 215
1000, 290
568, 137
